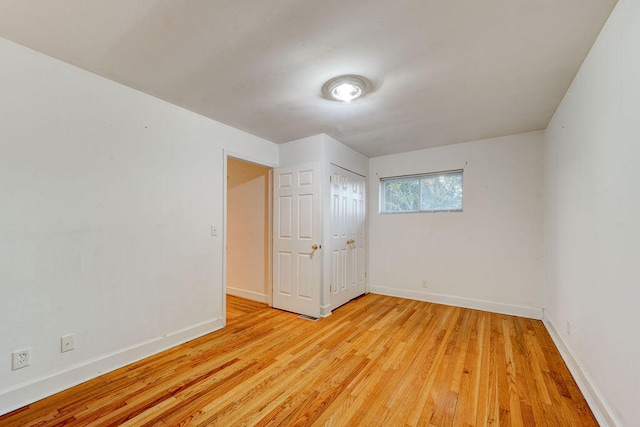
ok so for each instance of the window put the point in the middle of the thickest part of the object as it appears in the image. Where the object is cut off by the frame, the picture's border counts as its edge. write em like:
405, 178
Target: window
433, 192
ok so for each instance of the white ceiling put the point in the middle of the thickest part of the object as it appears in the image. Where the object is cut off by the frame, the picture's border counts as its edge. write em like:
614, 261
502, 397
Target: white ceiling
444, 71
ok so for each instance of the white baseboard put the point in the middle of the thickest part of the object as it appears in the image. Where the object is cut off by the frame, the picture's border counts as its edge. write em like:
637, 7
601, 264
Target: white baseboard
250, 295
23, 394
598, 404
325, 310
494, 307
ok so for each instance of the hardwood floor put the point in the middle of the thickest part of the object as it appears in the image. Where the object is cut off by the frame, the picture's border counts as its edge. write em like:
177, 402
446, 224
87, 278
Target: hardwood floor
377, 361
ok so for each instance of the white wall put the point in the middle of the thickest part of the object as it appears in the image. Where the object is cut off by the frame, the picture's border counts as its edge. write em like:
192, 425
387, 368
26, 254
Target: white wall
324, 149
592, 221
489, 256
310, 149
248, 239
107, 199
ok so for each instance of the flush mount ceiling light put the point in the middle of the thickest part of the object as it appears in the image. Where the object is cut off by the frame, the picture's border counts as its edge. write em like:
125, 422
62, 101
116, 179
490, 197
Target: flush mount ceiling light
346, 88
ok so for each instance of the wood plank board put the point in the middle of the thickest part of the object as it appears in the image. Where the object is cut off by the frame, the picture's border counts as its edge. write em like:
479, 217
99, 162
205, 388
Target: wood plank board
377, 361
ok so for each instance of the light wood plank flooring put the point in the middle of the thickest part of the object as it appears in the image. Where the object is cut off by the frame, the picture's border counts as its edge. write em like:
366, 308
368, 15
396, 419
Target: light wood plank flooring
377, 361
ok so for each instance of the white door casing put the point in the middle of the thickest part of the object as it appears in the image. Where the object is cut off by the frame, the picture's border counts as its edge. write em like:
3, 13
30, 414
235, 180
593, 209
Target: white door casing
296, 229
348, 237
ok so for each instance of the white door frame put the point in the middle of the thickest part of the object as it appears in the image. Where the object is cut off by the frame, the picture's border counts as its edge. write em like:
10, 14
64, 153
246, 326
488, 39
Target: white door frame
225, 156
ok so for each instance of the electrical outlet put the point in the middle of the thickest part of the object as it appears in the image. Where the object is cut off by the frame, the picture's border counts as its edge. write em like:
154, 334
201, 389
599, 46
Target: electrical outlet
20, 359
67, 343
568, 328
425, 284
214, 231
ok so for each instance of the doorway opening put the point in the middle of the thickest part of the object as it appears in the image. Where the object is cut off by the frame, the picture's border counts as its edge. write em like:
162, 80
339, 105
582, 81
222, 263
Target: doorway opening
248, 231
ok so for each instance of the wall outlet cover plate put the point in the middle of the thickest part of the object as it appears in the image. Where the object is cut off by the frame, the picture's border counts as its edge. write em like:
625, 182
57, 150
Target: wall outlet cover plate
20, 359
67, 343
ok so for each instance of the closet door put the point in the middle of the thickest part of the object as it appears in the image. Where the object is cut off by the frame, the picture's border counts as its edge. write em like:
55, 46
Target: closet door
348, 238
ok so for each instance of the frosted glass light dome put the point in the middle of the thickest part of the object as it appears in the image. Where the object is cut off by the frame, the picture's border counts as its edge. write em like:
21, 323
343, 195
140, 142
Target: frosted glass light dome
345, 88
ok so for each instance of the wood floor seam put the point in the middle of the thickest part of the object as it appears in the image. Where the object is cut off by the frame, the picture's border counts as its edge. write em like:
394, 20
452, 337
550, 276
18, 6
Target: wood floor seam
376, 361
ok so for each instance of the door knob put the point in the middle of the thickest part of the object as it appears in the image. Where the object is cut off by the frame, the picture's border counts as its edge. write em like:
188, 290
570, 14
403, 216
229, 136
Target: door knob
315, 247
350, 242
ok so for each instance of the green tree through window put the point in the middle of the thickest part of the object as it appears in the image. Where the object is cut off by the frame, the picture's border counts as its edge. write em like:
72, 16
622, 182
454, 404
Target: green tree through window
402, 195
434, 192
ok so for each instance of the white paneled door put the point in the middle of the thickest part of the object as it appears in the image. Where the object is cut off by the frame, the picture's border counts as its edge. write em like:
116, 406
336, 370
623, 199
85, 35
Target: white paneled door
348, 238
296, 240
